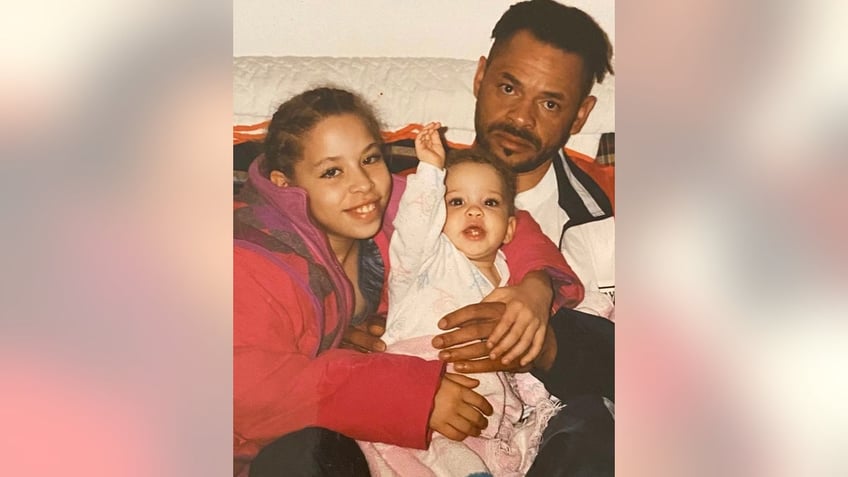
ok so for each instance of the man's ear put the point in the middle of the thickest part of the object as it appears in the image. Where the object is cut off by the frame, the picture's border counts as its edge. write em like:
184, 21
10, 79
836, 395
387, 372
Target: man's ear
478, 76
279, 179
510, 230
583, 113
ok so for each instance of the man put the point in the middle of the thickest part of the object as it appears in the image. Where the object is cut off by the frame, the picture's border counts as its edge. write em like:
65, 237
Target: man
532, 95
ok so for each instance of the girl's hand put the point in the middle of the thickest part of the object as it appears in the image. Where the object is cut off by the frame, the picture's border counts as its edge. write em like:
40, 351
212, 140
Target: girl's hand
429, 147
365, 337
521, 330
457, 410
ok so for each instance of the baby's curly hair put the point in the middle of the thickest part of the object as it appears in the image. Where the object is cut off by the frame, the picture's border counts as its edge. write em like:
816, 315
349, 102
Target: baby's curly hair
478, 155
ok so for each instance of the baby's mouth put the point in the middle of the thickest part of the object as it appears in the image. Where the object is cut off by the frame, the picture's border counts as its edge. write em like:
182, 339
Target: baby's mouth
474, 232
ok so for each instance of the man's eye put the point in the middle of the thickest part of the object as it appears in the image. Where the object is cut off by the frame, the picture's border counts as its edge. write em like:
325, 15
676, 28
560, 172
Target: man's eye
372, 159
491, 203
507, 88
330, 173
551, 105
456, 202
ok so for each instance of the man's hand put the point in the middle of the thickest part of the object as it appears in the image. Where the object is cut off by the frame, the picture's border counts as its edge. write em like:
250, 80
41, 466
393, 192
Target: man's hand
520, 333
476, 322
365, 336
457, 409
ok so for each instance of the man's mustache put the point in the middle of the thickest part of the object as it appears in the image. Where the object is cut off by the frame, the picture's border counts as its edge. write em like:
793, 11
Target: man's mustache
520, 133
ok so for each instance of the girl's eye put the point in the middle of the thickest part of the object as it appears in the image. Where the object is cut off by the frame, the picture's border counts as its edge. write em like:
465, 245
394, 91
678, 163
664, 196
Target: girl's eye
456, 202
507, 88
330, 173
372, 159
551, 105
491, 203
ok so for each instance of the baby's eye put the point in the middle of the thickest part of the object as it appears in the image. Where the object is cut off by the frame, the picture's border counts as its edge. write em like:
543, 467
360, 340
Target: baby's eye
506, 88
456, 202
491, 203
331, 172
372, 159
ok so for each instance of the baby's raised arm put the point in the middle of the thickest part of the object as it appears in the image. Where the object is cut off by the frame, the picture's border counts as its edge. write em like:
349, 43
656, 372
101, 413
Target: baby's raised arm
429, 147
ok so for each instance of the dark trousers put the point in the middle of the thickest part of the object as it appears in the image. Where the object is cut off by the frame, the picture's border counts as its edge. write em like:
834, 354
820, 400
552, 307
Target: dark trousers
578, 442
311, 452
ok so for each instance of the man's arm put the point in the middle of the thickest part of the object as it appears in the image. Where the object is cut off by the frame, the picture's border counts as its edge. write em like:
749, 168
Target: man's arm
535, 263
578, 356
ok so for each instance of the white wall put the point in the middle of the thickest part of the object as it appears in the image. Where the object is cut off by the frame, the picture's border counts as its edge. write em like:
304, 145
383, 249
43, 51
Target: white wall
434, 28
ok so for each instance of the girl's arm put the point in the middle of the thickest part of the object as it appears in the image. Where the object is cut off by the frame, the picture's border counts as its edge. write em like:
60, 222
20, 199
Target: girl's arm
280, 386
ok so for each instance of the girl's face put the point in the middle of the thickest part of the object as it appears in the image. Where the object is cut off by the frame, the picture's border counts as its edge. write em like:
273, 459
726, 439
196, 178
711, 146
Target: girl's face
346, 180
478, 220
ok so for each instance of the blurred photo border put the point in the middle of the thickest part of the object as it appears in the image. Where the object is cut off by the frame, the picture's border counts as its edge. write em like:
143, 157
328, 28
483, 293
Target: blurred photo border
117, 283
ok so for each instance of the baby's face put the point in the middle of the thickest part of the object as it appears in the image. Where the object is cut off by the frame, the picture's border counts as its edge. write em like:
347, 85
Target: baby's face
478, 220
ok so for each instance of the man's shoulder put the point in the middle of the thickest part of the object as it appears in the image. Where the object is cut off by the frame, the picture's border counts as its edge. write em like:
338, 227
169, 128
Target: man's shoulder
589, 166
603, 175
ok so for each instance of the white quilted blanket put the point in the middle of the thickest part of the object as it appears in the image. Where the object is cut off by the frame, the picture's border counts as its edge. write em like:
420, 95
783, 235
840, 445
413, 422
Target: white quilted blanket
403, 90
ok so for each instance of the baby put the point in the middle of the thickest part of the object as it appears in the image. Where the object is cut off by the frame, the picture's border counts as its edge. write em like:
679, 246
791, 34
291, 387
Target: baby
445, 253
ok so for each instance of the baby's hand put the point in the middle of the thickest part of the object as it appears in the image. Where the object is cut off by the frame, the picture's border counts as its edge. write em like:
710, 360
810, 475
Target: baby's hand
428, 145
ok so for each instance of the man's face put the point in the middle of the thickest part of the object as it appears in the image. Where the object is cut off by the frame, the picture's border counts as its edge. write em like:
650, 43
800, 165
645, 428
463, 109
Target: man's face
529, 101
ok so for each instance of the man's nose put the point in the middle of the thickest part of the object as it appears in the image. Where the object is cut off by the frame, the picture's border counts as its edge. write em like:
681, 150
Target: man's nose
522, 113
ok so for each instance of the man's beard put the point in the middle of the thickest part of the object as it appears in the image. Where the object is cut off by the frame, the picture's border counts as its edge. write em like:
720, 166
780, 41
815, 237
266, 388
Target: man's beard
531, 163
527, 165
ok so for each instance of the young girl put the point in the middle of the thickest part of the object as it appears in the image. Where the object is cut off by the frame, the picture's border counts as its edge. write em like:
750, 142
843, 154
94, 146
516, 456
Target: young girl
445, 253
309, 254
